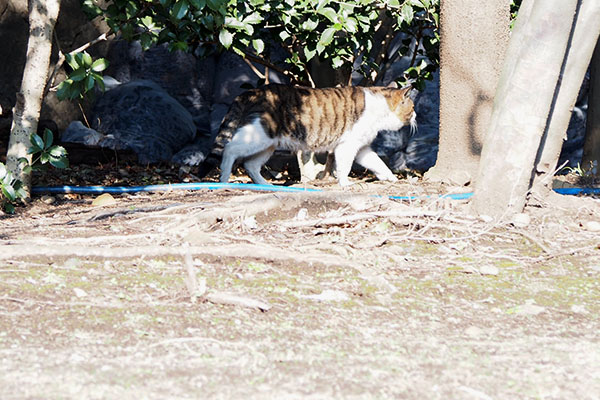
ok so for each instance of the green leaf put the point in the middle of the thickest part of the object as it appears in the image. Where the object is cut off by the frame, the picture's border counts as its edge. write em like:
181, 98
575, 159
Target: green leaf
57, 151
351, 25
328, 13
320, 48
407, 13
180, 9
9, 208
59, 163
44, 158
48, 138
9, 192
101, 64
198, 4
87, 59
258, 45
254, 18
226, 38
3, 171
27, 169
337, 62
99, 81
310, 25
36, 141
79, 59
309, 54
78, 75
89, 83
63, 89
71, 61
20, 191
283, 35
327, 36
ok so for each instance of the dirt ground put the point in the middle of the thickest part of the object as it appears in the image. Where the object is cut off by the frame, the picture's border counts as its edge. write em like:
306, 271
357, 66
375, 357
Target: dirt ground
329, 295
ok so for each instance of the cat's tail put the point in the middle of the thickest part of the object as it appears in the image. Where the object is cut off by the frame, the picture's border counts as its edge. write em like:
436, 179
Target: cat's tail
228, 127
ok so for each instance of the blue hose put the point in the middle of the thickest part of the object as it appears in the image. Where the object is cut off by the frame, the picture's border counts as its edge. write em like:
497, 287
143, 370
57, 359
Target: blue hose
246, 186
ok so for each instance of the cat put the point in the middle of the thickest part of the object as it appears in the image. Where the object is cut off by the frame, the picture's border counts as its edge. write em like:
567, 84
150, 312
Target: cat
344, 120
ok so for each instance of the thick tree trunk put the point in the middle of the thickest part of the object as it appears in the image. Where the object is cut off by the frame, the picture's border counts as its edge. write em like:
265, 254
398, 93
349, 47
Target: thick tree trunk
26, 113
591, 147
522, 104
474, 37
581, 47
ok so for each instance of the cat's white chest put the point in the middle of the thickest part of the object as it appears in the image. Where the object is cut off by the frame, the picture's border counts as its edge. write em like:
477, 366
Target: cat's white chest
376, 117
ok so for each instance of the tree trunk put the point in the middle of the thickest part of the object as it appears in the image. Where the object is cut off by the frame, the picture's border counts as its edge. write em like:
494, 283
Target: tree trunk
474, 37
581, 47
523, 101
591, 147
26, 113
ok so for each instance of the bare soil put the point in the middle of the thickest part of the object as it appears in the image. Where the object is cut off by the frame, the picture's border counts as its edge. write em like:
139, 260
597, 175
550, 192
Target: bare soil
337, 294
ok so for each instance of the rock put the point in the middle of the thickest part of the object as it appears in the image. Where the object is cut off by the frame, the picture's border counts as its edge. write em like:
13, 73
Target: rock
473, 331
488, 270
328, 295
80, 292
592, 226
529, 309
521, 220
77, 132
142, 117
48, 199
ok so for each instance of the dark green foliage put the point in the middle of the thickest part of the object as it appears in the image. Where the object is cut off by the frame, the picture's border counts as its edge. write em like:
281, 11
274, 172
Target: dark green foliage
338, 33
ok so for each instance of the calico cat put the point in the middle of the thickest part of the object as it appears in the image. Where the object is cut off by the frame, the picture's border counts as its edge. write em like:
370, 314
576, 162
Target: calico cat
344, 120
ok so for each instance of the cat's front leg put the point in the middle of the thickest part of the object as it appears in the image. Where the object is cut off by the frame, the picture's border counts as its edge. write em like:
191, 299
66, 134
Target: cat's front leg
370, 160
344, 157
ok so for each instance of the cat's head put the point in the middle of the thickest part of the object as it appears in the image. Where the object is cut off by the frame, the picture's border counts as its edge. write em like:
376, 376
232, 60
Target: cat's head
401, 104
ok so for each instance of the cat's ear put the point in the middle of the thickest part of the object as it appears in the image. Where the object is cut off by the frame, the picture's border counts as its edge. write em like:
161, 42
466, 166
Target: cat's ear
393, 85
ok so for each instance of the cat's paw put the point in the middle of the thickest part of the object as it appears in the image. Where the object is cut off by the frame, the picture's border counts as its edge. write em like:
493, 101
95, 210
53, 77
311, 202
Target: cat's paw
345, 183
388, 178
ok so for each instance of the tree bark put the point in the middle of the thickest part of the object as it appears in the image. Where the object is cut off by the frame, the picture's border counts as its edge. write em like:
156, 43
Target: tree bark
26, 113
581, 47
474, 38
591, 147
525, 93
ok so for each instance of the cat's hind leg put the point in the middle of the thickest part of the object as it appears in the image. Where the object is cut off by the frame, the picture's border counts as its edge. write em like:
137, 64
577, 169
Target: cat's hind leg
248, 141
254, 164
370, 160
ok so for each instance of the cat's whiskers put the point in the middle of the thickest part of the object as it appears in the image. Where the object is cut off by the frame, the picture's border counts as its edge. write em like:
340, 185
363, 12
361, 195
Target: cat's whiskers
413, 124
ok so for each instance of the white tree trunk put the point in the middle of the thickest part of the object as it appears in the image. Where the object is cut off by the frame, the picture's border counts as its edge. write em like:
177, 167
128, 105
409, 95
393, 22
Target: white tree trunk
26, 113
474, 38
522, 104
584, 37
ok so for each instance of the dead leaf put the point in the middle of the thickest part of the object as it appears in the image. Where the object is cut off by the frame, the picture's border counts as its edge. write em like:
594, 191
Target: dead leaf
105, 199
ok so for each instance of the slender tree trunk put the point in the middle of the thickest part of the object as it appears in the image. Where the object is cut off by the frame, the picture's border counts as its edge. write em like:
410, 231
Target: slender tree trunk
591, 147
581, 47
523, 101
26, 113
474, 38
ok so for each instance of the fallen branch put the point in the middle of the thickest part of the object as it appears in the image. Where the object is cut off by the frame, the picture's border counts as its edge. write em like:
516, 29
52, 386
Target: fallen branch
232, 299
127, 211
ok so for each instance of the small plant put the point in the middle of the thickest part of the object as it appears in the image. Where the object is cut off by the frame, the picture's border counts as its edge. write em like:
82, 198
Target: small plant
11, 190
583, 172
84, 76
43, 152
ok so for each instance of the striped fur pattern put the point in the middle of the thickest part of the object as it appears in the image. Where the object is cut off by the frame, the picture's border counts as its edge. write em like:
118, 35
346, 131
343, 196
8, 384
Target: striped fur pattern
343, 120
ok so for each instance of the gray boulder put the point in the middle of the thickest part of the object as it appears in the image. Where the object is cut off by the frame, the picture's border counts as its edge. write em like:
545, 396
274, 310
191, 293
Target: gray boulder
141, 116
